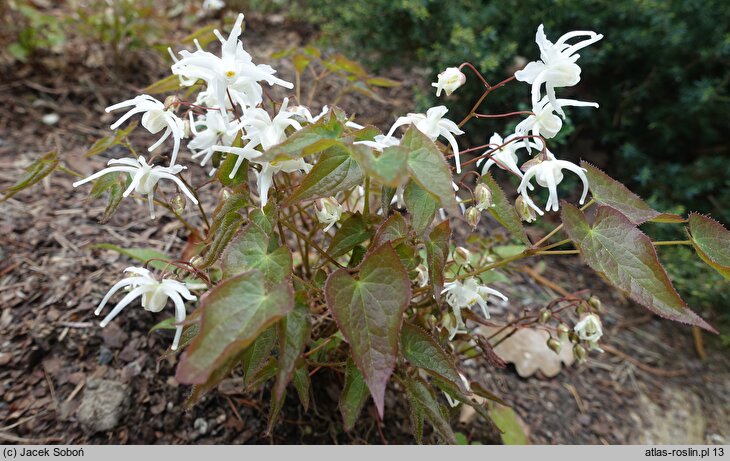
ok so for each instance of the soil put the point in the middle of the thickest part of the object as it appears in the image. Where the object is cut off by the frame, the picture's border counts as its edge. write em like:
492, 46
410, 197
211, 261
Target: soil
55, 363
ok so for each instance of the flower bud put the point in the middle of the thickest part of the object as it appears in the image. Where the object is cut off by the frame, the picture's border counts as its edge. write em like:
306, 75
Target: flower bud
329, 213
524, 210
172, 102
554, 345
545, 315
563, 331
196, 261
589, 328
225, 195
472, 217
595, 303
422, 275
579, 352
461, 256
483, 197
178, 204
449, 80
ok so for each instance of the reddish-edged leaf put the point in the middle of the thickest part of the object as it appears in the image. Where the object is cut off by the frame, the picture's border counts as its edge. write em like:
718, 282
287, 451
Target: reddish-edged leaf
294, 330
394, 229
234, 313
369, 311
711, 241
352, 232
437, 252
607, 191
387, 167
334, 172
255, 249
311, 139
33, 173
421, 206
421, 350
353, 396
427, 166
617, 250
255, 357
424, 405
503, 211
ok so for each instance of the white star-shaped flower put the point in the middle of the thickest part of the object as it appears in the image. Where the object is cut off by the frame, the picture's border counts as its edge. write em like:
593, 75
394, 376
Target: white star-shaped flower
548, 173
462, 295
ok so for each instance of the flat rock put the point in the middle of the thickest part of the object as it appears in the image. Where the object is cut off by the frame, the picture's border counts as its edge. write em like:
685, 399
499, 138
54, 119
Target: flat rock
103, 405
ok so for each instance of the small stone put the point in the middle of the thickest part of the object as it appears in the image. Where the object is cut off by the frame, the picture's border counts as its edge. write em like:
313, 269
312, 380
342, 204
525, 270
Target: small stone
103, 405
201, 425
50, 119
5, 358
105, 355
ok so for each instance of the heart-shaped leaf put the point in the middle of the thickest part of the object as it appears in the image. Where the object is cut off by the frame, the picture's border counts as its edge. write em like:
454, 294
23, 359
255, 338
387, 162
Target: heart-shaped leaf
617, 250
294, 330
354, 395
369, 311
311, 139
334, 172
352, 232
421, 205
387, 167
251, 249
437, 252
234, 313
421, 350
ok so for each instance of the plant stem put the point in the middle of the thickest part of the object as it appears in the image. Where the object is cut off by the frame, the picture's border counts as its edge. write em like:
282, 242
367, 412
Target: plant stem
314, 245
557, 252
366, 205
673, 242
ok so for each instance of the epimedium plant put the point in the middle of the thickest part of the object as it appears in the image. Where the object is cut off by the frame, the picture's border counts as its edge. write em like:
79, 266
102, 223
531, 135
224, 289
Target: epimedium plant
331, 243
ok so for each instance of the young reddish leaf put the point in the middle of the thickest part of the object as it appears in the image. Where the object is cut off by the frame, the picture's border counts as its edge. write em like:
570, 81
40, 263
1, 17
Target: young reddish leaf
422, 397
711, 241
107, 142
234, 203
334, 172
437, 252
255, 357
369, 311
503, 211
309, 140
33, 173
252, 249
394, 229
234, 313
119, 184
302, 383
383, 82
387, 167
352, 232
617, 250
607, 191
428, 167
294, 330
353, 396
421, 206
422, 351
230, 224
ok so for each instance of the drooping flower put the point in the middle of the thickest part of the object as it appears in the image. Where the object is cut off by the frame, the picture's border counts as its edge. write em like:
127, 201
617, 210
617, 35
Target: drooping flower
216, 133
262, 130
304, 113
265, 177
505, 157
455, 403
247, 152
433, 124
482, 197
329, 213
144, 178
155, 118
232, 74
589, 329
548, 173
380, 142
543, 121
154, 293
422, 275
462, 295
557, 65
449, 80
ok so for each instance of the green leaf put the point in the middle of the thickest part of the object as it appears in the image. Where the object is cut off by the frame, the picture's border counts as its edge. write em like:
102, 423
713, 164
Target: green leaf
393, 229
265, 373
265, 218
233, 314
294, 333
107, 142
311, 139
234, 203
140, 254
367, 133
33, 173
301, 62
421, 205
503, 211
618, 251
226, 167
383, 82
369, 311
352, 232
334, 172
711, 241
253, 249
421, 396
511, 430
507, 251
353, 396
422, 351
165, 85
230, 224
302, 383
388, 167
428, 167
607, 191
116, 190
437, 252
255, 357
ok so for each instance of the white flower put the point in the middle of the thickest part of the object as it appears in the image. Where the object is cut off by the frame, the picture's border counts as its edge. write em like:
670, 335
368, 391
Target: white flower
433, 124
505, 157
455, 403
216, 133
557, 67
247, 152
449, 80
213, 4
233, 73
548, 173
304, 113
264, 131
144, 178
155, 117
380, 142
543, 122
463, 295
589, 328
265, 178
329, 213
154, 295
422, 275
